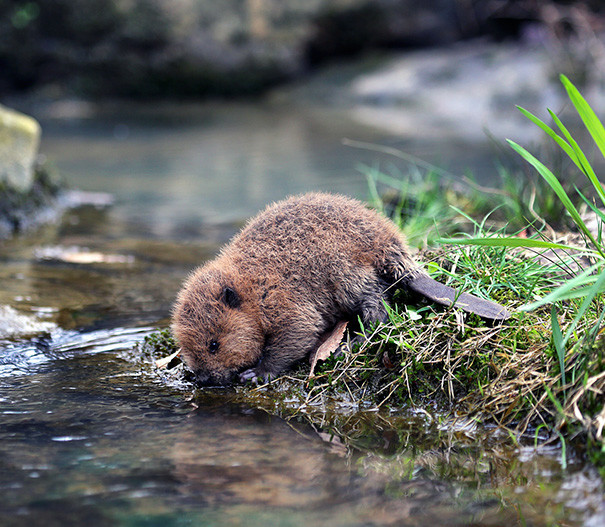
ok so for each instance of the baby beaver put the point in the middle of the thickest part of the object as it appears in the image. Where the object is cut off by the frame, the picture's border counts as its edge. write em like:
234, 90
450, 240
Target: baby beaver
282, 284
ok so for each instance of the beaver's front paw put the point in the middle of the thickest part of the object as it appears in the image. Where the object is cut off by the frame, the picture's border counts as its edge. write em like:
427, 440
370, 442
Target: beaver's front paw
248, 376
255, 376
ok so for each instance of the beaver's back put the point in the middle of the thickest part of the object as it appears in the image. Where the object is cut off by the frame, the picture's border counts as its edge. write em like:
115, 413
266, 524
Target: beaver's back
318, 238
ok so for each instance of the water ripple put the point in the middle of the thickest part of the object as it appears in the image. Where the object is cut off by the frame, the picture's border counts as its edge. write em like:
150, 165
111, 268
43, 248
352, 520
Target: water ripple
26, 357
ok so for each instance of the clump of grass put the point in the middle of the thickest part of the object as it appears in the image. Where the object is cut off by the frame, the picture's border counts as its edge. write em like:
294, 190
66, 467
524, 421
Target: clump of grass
577, 399
545, 367
425, 354
429, 203
419, 204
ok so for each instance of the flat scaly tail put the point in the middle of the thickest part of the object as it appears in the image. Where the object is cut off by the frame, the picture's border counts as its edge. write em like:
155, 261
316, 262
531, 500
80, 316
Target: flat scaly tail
448, 296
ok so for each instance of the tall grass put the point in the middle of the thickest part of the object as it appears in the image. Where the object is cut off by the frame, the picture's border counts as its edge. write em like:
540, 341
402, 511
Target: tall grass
586, 284
578, 354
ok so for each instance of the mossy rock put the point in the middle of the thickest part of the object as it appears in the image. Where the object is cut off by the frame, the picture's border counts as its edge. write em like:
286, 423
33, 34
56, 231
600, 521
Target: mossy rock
19, 141
22, 211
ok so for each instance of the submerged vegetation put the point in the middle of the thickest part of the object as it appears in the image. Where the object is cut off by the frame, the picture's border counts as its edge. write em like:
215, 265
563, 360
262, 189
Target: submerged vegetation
542, 373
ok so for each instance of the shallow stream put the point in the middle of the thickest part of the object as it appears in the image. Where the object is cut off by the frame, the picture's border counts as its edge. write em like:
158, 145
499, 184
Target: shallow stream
91, 434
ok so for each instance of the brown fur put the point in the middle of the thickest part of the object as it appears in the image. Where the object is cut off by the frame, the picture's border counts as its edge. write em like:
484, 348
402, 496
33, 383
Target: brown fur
282, 284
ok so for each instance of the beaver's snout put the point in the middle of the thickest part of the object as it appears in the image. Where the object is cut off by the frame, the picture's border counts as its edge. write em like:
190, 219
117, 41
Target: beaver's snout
203, 378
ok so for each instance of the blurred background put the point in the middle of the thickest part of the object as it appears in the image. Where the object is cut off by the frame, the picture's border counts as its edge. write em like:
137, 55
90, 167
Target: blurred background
193, 112
198, 48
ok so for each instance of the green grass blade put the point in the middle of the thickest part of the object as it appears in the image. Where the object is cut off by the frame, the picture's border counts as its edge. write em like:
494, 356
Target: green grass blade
550, 178
597, 288
598, 212
507, 242
559, 190
586, 113
581, 160
563, 450
372, 178
567, 148
558, 342
573, 288
577, 293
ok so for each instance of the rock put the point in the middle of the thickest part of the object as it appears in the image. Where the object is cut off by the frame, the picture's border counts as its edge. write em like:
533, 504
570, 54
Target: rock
29, 196
14, 324
458, 92
19, 140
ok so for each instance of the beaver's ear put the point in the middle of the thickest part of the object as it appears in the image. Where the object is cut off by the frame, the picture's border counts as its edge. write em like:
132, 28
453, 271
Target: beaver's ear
231, 298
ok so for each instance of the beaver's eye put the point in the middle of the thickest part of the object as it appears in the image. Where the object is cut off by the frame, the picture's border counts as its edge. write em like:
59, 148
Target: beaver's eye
213, 347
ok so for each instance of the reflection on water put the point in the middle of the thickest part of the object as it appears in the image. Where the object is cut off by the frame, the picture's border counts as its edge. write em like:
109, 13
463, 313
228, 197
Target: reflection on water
89, 280
206, 165
91, 434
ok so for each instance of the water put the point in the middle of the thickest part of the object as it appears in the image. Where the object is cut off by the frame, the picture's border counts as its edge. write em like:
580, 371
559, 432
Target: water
91, 433
177, 170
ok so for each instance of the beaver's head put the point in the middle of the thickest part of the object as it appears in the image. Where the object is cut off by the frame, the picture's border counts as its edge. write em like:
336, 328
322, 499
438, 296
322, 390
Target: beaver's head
216, 327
